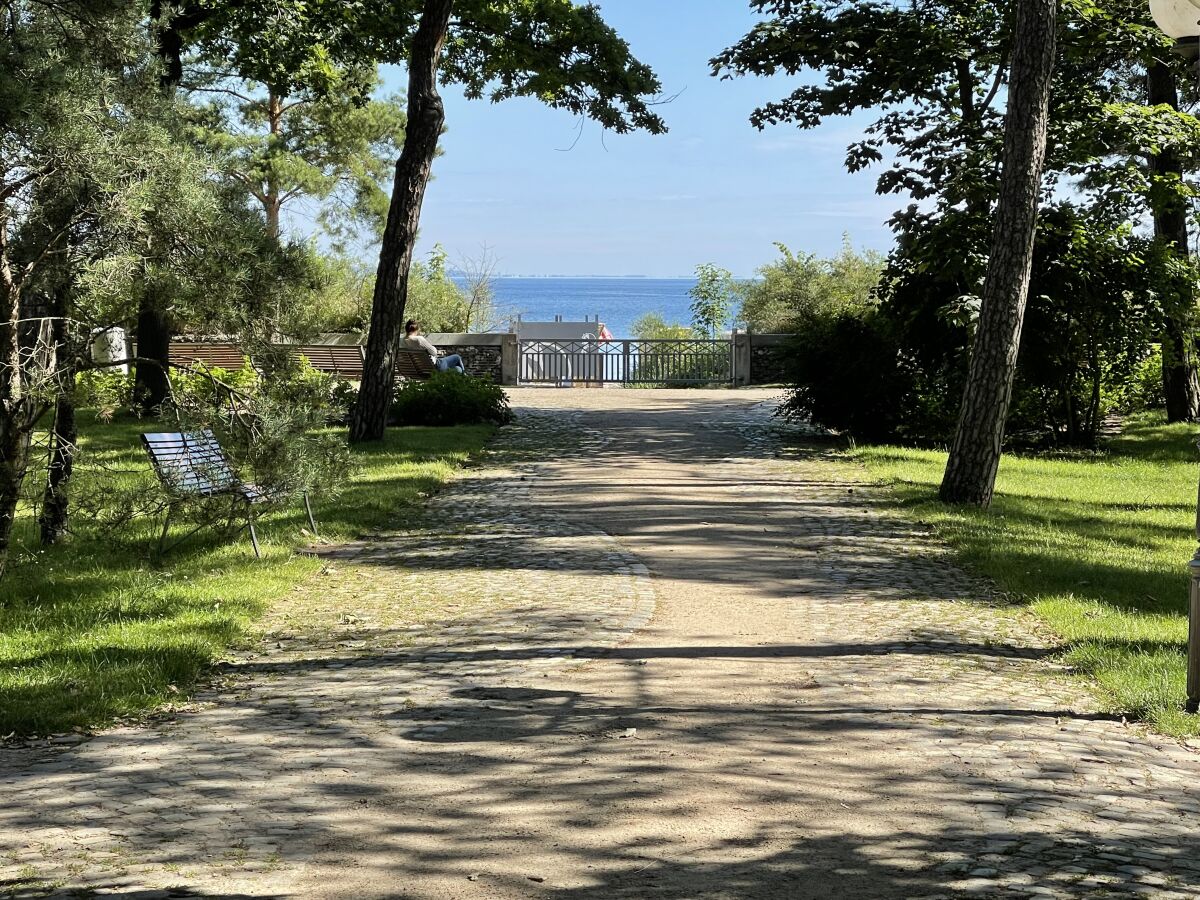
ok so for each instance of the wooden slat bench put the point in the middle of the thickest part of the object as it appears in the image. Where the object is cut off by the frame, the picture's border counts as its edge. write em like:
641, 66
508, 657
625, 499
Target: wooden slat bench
193, 465
230, 357
414, 365
343, 360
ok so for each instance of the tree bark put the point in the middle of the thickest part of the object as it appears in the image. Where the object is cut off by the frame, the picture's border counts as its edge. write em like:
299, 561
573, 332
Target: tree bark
151, 387
14, 440
1181, 384
426, 116
975, 452
272, 202
153, 323
56, 497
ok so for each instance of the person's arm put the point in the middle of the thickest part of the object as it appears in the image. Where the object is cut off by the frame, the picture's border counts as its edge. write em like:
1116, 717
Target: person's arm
429, 348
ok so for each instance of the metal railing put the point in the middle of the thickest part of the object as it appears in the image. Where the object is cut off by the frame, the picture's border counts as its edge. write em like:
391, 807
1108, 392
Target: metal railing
626, 362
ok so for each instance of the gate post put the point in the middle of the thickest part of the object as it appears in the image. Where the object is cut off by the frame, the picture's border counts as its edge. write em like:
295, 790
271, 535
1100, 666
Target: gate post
510, 359
742, 358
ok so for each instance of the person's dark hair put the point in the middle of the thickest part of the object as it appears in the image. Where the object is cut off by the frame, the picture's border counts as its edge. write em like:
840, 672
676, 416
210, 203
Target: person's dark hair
411, 325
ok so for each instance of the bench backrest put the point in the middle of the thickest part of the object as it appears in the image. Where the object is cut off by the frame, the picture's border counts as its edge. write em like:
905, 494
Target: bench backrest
343, 360
230, 357
414, 364
191, 463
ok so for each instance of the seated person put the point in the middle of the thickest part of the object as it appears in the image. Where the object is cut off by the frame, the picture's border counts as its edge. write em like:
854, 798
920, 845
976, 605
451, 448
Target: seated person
414, 340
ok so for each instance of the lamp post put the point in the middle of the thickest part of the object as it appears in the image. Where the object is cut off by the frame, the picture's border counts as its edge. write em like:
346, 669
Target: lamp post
1180, 19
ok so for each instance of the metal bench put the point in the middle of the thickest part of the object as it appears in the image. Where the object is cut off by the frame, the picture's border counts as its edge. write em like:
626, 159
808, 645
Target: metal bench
192, 465
414, 365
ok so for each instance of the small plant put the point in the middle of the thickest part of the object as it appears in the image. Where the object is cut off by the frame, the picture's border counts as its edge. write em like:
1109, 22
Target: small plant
713, 298
449, 398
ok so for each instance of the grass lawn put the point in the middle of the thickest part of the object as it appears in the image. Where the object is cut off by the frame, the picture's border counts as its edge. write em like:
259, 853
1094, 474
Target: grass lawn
1096, 544
95, 630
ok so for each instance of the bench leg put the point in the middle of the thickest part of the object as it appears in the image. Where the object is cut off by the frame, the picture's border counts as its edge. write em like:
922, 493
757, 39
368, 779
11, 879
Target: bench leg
312, 523
162, 538
253, 537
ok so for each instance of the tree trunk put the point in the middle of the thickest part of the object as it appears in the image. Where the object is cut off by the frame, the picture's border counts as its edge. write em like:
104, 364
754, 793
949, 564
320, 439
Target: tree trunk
14, 457
151, 387
1181, 385
14, 440
272, 202
56, 498
426, 115
975, 453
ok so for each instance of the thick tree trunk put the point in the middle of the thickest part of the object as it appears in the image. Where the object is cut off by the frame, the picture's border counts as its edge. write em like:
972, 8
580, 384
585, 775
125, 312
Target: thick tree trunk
56, 495
13, 441
151, 387
14, 458
975, 453
1181, 385
426, 116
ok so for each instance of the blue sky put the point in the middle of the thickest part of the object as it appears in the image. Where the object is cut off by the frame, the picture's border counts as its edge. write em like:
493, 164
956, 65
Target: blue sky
513, 176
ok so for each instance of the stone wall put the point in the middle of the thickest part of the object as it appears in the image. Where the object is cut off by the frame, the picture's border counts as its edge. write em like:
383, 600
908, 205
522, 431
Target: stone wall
758, 358
484, 355
766, 362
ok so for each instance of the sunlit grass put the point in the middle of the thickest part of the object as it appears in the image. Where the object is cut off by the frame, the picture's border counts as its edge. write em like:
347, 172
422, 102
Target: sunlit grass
1096, 544
95, 629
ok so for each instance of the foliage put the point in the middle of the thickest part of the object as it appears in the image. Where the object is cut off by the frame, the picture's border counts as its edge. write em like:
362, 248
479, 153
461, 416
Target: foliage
795, 288
1093, 543
89, 632
106, 391
1144, 392
559, 52
896, 369
934, 76
713, 297
449, 398
436, 300
270, 426
341, 300
328, 144
652, 326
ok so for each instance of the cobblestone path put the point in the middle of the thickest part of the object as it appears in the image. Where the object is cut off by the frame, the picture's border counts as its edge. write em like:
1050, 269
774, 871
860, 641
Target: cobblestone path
685, 665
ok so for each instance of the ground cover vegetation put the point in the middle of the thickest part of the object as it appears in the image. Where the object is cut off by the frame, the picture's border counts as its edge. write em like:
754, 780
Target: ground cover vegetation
1094, 542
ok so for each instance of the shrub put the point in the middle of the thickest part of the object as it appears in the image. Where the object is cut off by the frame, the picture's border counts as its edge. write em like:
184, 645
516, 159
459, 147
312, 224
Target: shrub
894, 366
108, 391
795, 286
1146, 390
449, 398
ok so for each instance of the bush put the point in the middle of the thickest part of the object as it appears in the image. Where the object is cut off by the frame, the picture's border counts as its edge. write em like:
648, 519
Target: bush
893, 366
108, 391
796, 286
449, 398
1145, 390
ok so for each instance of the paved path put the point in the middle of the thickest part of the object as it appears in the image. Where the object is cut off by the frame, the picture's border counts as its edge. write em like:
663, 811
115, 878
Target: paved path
684, 666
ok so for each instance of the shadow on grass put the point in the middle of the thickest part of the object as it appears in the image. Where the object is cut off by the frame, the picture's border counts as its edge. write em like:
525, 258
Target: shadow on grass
100, 626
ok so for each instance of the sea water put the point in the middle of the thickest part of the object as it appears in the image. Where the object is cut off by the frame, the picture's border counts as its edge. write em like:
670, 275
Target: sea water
617, 301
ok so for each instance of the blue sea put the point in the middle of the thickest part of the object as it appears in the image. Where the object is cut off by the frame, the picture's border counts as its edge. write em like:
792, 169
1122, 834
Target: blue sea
617, 301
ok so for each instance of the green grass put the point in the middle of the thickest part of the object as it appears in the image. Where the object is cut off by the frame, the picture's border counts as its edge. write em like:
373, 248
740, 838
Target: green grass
93, 630
1096, 544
